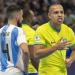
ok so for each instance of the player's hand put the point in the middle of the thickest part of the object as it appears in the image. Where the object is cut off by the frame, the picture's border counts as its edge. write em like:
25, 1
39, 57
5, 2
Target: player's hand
21, 70
62, 45
68, 62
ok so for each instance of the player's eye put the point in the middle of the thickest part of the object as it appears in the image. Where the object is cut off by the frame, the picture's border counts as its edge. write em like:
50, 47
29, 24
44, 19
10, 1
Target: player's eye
62, 12
56, 12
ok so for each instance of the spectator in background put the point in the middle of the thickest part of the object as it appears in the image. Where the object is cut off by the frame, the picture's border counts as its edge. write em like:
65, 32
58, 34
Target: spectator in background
42, 16
2, 17
24, 5
69, 18
9, 2
1, 4
68, 4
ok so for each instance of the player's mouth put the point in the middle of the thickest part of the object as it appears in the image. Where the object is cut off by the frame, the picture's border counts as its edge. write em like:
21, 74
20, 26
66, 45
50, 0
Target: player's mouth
59, 19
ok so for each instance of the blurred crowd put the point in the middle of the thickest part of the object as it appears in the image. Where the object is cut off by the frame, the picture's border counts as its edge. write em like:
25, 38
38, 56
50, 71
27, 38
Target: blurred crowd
40, 9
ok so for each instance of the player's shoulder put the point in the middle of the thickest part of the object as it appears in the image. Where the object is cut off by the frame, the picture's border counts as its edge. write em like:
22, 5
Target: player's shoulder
27, 28
65, 26
43, 26
1, 28
20, 30
16, 29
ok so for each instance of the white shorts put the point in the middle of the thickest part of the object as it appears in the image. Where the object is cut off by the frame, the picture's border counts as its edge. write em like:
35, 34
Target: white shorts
12, 71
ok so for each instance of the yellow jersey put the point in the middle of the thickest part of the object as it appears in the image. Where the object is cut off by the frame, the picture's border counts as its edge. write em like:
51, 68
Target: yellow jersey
30, 37
46, 35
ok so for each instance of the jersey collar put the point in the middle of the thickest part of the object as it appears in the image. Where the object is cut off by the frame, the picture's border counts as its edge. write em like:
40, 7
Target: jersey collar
53, 27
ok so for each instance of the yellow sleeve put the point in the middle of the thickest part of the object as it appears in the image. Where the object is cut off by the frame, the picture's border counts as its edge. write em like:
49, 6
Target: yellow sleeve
72, 36
31, 40
39, 37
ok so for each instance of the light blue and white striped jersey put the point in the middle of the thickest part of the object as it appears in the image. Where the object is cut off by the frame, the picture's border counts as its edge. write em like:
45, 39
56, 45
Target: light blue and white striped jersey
11, 37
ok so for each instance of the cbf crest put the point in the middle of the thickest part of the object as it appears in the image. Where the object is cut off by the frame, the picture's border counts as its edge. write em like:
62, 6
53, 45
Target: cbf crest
64, 39
37, 38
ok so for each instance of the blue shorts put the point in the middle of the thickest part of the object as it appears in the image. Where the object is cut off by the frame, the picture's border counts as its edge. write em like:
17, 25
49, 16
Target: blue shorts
32, 73
24, 73
68, 52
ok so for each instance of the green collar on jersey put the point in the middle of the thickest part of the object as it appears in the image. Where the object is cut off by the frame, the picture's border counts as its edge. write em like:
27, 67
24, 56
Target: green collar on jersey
25, 24
53, 27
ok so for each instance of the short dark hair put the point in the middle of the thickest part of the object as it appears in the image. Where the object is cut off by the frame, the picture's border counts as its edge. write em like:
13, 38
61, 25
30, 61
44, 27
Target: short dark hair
11, 10
26, 15
53, 5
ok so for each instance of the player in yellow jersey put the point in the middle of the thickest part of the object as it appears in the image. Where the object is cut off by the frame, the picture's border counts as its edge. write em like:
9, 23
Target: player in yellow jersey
28, 17
52, 40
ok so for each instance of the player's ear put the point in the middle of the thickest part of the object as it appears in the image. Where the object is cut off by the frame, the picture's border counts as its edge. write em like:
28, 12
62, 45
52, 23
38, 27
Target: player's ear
17, 16
49, 15
29, 20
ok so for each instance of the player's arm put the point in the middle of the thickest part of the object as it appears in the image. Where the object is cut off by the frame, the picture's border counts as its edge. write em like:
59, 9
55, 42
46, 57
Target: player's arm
25, 50
71, 59
72, 56
34, 61
21, 41
40, 51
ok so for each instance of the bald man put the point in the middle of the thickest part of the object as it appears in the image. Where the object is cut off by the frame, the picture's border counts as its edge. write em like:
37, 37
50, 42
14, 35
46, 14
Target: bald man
52, 40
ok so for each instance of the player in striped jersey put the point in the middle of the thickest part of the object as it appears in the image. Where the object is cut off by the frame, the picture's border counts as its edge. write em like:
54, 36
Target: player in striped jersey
14, 54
